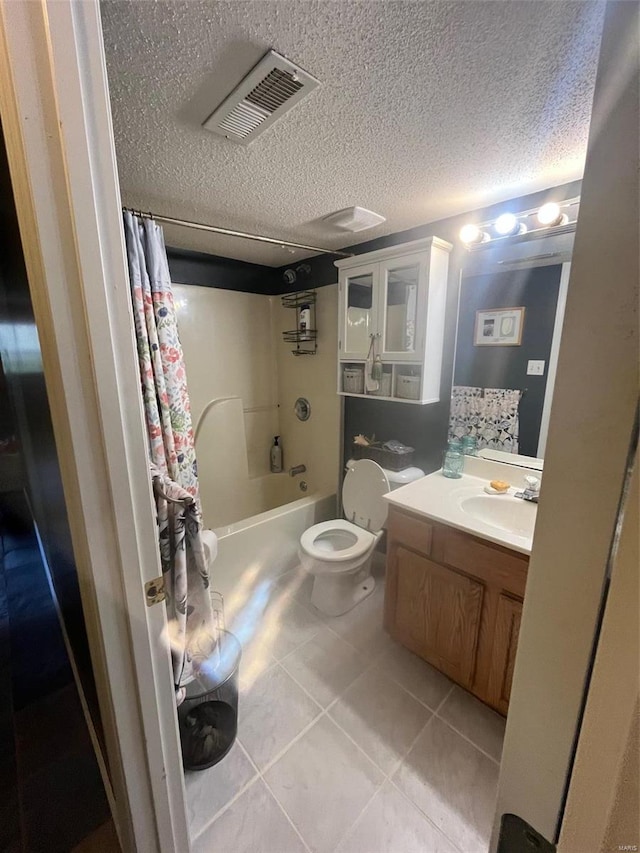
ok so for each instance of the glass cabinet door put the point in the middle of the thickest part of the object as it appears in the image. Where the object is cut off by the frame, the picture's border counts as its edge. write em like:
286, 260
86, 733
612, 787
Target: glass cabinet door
403, 309
359, 311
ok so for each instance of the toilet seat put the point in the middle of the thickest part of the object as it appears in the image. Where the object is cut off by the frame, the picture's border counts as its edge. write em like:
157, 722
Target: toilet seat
338, 553
362, 495
336, 546
363, 541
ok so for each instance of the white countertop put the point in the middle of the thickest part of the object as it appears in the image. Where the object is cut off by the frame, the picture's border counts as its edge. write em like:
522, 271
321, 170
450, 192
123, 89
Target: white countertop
463, 503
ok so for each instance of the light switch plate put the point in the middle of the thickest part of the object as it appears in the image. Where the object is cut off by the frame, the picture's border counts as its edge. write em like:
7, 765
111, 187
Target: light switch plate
535, 368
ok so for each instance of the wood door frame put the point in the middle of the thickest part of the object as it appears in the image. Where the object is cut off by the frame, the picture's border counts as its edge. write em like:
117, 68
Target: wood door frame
57, 124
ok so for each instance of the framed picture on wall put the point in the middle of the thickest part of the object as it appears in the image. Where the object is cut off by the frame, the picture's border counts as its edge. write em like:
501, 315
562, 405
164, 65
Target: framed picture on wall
499, 327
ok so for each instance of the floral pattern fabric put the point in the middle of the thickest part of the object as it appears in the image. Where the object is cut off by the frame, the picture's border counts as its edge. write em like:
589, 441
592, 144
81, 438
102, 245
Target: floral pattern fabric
489, 414
162, 371
466, 411
192, 629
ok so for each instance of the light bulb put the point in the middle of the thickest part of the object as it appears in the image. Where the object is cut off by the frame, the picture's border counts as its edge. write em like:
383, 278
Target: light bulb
506, 224
550, 214
470, 233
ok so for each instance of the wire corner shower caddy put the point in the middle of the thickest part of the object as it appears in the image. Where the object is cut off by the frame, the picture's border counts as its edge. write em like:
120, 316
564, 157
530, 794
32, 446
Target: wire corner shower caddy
305, 339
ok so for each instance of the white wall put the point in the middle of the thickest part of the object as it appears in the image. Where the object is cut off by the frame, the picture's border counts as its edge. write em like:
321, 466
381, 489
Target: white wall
228, 343
316, 442
233, 346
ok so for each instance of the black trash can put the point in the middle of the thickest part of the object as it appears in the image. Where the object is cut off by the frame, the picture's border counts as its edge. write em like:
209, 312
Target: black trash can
208, 716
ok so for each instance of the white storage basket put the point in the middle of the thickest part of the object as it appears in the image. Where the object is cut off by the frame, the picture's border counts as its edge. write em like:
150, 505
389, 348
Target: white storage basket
353, 380
408, 387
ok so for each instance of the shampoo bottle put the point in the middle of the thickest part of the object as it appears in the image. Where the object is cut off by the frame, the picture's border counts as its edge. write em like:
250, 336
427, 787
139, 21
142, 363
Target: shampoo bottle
304, 322
276, 456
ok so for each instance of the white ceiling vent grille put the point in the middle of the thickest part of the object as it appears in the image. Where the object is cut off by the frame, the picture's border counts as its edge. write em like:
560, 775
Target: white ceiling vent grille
354, 219
270, 89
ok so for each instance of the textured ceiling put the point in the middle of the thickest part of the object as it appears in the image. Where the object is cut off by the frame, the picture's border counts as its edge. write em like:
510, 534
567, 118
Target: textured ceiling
426, 109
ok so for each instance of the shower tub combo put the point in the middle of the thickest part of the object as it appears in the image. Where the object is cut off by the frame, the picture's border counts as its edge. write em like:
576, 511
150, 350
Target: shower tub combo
258, 522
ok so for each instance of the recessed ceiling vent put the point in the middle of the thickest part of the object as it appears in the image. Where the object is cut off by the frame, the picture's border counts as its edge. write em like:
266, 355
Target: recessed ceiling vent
268, 91
354, 219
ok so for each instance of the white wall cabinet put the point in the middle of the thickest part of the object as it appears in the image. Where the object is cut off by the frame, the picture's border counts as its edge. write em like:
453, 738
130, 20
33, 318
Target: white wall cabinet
395, 297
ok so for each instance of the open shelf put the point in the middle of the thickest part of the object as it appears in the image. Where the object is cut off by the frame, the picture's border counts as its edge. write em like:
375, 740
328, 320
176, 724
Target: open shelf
296, 300
402, 382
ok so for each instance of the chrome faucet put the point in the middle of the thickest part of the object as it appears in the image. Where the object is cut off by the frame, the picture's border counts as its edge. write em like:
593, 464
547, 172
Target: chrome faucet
531, 491
297, 469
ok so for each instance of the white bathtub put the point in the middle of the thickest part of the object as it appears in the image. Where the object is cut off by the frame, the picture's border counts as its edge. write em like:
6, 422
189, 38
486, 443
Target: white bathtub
265, 546
252, 554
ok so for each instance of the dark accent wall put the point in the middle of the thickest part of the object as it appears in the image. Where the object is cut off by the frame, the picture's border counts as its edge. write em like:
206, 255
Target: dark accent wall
425, 427
22, 362
187, 267
323, 271
506, 366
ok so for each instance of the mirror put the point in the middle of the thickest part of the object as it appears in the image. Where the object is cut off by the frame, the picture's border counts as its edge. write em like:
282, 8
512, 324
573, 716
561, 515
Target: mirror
401, 309
359, 313
509, 324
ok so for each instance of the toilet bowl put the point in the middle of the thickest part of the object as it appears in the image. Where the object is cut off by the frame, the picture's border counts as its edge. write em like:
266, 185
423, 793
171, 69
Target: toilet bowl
338, 553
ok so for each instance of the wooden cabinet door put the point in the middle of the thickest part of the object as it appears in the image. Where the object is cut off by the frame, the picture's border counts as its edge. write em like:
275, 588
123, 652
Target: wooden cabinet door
437, 614
503, 655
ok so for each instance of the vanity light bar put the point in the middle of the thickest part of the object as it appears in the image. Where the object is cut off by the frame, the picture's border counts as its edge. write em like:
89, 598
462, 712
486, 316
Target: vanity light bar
534, 222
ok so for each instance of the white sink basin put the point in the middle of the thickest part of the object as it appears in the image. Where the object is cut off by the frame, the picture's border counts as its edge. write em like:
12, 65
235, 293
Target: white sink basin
505, 512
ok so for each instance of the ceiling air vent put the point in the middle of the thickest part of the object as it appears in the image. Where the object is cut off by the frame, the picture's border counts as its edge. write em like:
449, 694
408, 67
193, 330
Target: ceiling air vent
268, 91
354, 219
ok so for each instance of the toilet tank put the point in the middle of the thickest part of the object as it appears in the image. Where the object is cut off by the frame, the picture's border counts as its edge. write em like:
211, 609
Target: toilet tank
401, 478
398, 478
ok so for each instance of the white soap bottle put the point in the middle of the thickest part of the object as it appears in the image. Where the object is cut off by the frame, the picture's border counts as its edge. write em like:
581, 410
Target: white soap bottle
276, 456
304, 322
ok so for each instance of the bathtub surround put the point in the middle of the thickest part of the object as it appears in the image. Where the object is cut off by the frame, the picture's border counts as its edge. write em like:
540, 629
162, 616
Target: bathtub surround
162, 372
235, 354
229, 347
316, 441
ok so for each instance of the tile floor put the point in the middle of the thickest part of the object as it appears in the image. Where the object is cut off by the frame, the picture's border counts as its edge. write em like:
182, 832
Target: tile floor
347, 742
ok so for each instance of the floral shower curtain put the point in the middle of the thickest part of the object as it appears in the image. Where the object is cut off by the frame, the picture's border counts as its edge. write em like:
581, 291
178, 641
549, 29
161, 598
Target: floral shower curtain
162, 372
489, 414
192, 633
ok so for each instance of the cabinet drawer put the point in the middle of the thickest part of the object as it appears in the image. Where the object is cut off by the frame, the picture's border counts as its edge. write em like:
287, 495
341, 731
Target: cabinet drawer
493, 564
415, 533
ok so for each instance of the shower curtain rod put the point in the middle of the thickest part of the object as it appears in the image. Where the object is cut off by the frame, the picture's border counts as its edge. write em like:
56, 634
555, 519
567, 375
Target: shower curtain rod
229, 232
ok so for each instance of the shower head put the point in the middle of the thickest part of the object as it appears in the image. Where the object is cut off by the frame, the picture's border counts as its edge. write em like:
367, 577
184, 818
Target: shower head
290, 276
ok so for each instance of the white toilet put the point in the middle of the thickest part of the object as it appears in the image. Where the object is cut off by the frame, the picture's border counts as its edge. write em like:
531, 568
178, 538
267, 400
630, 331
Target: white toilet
338, 553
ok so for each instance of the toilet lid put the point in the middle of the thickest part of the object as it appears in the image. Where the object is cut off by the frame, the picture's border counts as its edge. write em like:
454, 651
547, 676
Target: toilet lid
362, 491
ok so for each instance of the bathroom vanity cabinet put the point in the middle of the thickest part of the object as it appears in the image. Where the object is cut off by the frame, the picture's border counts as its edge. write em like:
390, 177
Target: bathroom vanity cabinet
392, 305
456, 601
